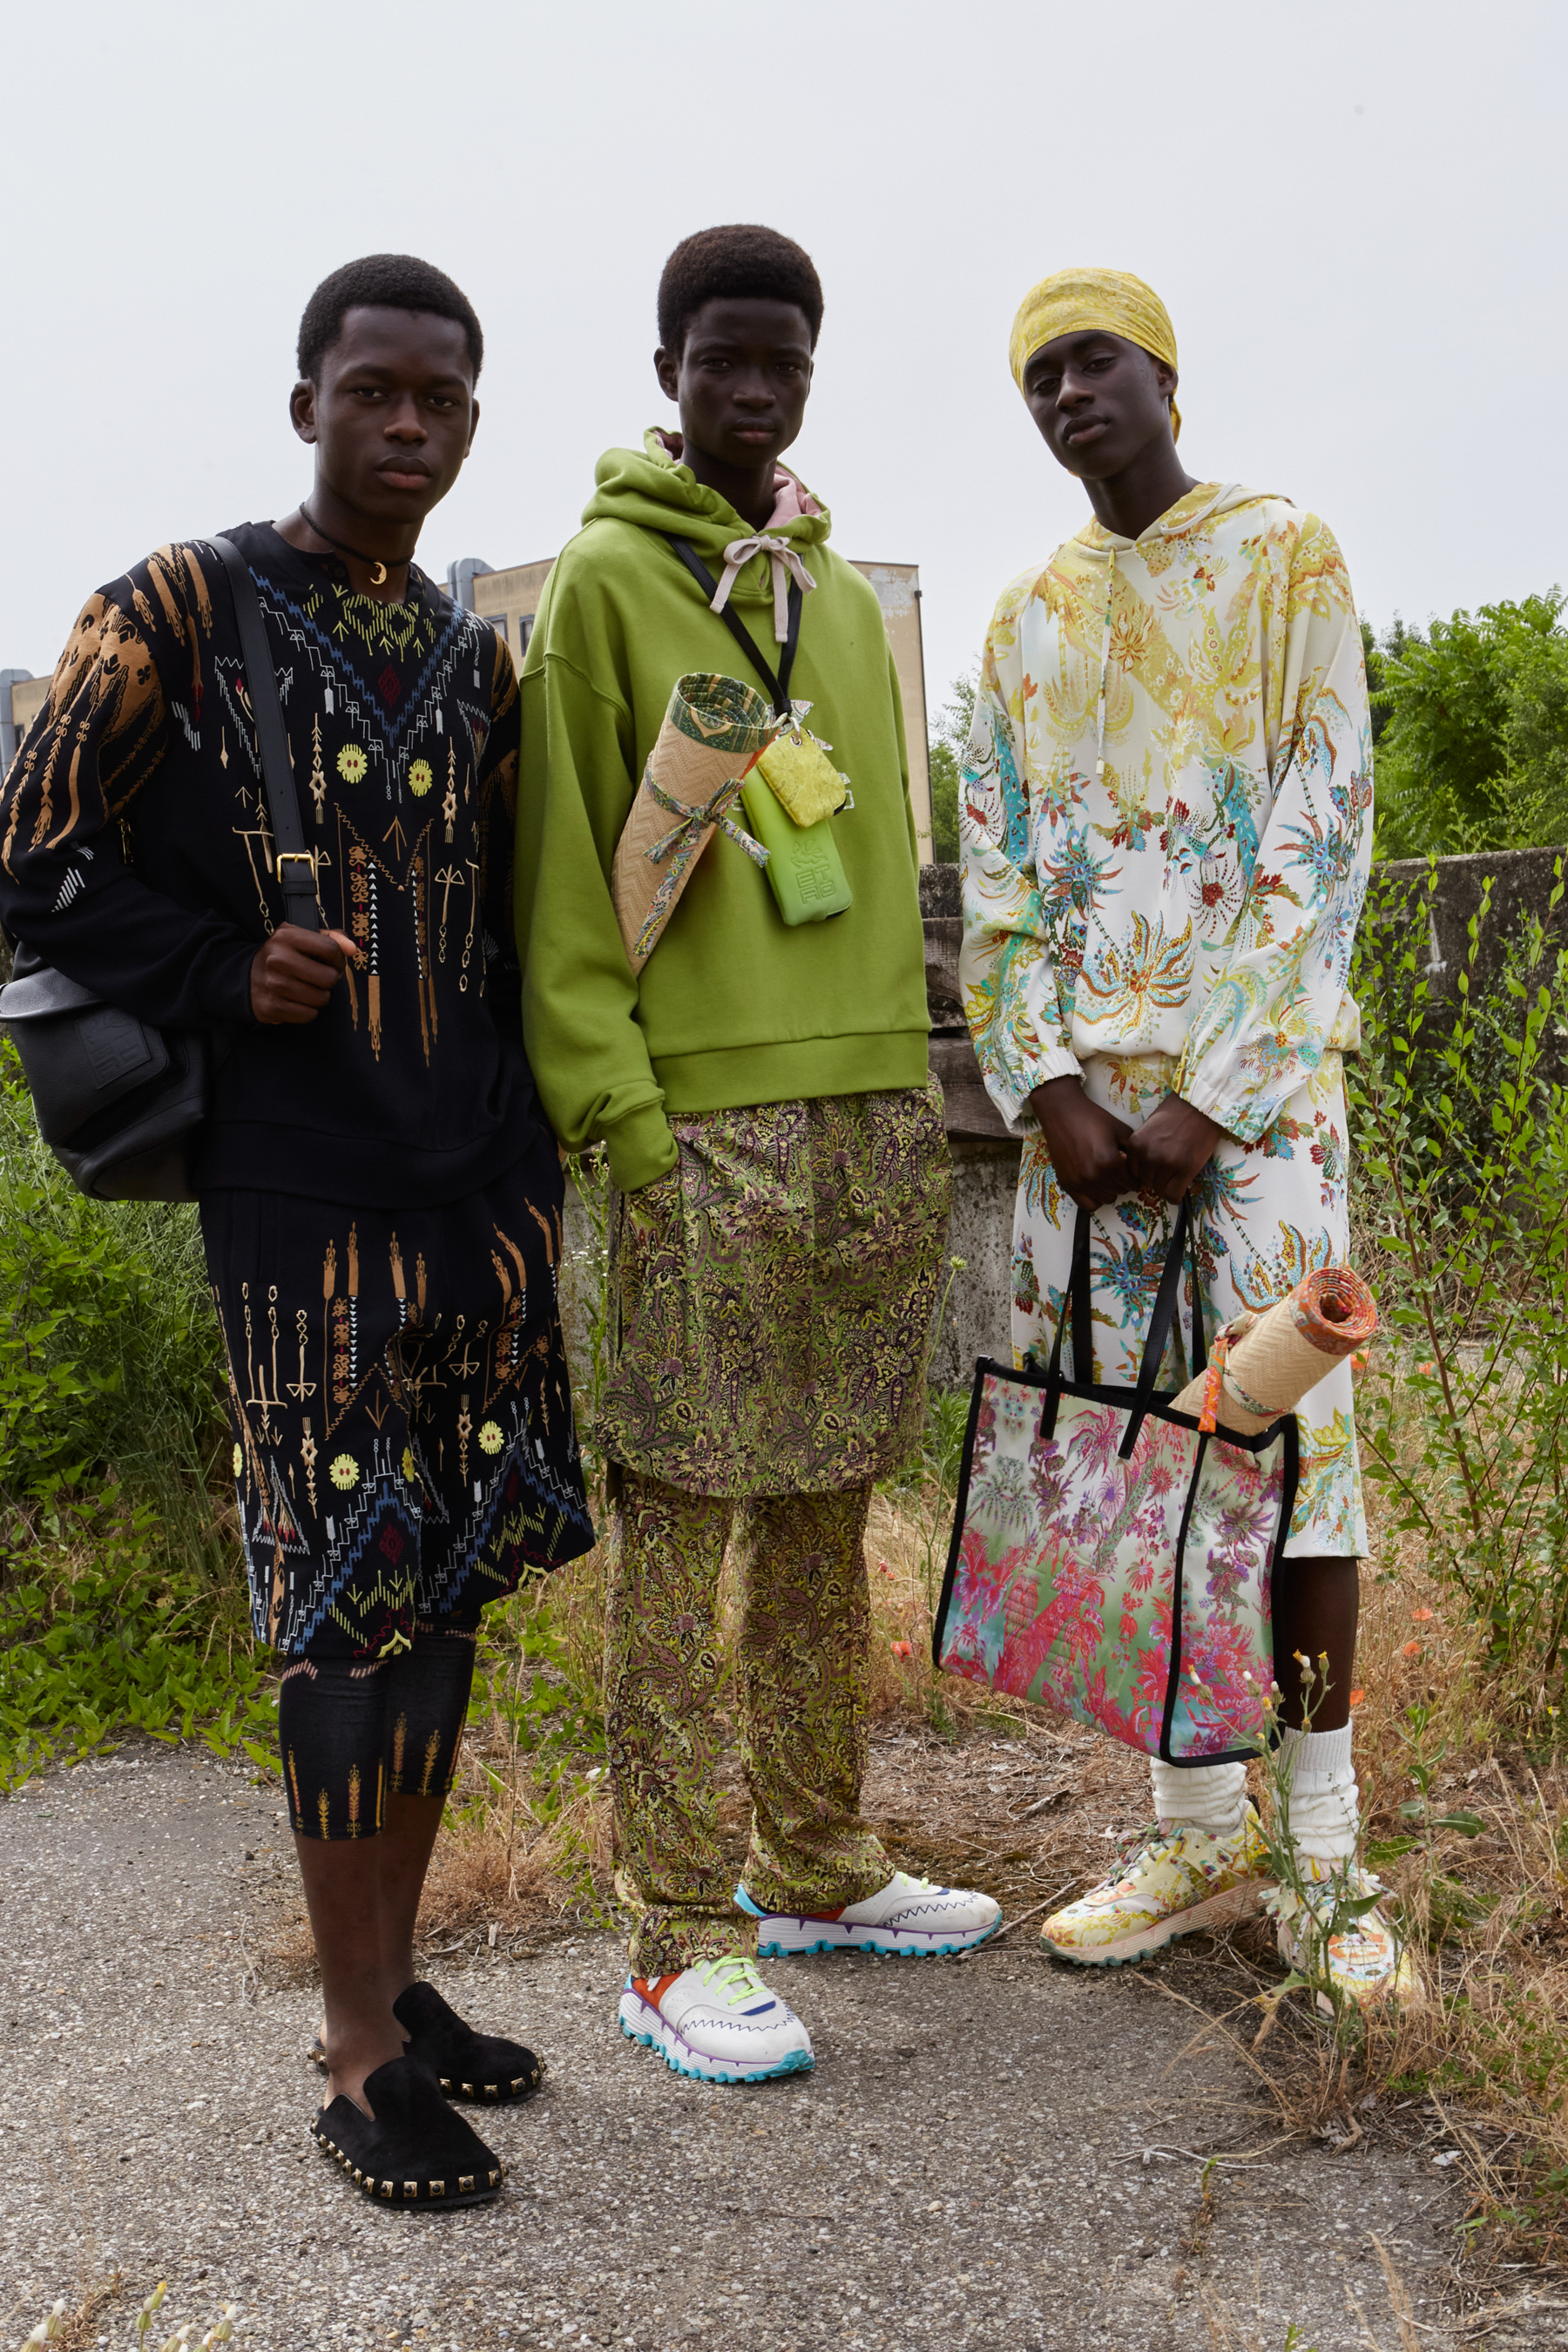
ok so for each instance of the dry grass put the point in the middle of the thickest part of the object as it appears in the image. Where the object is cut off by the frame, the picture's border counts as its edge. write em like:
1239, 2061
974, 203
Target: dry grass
1026, 1804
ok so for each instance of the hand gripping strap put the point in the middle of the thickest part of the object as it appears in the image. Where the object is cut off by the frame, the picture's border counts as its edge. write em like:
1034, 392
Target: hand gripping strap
296, 864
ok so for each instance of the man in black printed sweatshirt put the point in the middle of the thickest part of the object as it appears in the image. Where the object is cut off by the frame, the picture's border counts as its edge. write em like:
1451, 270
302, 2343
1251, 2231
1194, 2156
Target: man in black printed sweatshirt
380, 1198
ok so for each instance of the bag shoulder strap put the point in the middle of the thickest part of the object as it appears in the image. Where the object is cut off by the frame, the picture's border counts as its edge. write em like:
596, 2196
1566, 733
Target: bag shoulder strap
296, 863
776, 682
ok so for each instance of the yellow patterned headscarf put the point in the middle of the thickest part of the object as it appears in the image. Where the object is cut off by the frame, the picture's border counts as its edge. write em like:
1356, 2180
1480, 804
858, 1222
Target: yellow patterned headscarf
1073, 301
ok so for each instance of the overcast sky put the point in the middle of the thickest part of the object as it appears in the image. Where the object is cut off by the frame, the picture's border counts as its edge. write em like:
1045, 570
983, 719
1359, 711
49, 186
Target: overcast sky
1355, 210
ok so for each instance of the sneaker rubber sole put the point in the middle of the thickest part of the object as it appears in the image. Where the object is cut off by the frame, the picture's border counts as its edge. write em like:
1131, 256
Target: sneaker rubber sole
1143, 1943
887, 1943
678, 2056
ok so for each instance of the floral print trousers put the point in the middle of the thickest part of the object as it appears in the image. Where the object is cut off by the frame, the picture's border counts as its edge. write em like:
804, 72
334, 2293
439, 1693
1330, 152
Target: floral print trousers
801, 1669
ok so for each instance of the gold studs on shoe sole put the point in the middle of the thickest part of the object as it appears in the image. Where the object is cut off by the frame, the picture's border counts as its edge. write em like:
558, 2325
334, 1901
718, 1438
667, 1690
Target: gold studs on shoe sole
434, 2189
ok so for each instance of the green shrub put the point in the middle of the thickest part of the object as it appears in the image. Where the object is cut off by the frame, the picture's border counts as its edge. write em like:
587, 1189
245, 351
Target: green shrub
1460, 1132
121, 1597
1468, 720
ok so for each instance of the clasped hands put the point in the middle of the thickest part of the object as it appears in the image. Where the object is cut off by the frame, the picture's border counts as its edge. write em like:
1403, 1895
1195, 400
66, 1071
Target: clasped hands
1099, 1159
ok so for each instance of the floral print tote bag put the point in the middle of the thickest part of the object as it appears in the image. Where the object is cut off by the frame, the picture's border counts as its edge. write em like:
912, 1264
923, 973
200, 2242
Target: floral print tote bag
1109, 1557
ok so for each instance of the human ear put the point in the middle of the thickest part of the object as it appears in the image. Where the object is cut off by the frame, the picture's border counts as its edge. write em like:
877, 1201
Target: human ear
667, 367
302, 410
473, 425
1165, 376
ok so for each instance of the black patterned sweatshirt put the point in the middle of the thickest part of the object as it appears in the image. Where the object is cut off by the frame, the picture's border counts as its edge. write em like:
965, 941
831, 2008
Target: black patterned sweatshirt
136, 856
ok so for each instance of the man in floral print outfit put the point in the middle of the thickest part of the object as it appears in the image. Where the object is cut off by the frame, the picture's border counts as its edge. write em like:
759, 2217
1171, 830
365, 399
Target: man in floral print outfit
1166, 827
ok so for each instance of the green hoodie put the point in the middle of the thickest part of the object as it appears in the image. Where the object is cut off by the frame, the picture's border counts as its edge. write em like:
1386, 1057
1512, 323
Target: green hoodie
732, 1008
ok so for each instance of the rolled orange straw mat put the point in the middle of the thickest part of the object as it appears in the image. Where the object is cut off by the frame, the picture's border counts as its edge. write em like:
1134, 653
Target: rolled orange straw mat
1269, 1360
1335, 1310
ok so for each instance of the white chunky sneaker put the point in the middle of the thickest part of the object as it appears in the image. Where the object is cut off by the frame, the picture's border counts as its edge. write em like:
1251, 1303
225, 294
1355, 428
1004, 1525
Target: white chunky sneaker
908, 1918
717, 2020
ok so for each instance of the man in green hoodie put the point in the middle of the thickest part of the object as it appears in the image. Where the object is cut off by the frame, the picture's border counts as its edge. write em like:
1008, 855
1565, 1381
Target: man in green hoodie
777, 1147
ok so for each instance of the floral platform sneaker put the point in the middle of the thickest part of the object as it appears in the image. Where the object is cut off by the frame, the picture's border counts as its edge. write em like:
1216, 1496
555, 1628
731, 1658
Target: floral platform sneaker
909, 1918
1358, 1948
1179, 1880
717, 2020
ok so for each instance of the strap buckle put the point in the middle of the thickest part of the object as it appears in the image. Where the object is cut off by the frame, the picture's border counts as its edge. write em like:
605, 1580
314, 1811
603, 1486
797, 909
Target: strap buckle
283, 857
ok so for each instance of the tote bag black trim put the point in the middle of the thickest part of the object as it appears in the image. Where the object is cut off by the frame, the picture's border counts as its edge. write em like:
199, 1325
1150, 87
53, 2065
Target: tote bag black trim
1138, 1402
121, 1103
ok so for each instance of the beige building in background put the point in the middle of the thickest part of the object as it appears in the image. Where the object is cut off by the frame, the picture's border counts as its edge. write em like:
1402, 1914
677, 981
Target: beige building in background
509, 599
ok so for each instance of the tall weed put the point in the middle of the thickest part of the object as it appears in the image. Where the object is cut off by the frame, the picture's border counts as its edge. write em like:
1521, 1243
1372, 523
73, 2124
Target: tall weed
1461, 1124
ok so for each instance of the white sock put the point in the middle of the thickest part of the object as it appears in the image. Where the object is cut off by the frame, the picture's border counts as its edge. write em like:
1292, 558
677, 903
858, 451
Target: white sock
1325, 1803
1208, 1797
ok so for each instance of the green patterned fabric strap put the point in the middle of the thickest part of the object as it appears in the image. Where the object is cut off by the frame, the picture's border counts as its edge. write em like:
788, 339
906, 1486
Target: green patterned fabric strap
694, 821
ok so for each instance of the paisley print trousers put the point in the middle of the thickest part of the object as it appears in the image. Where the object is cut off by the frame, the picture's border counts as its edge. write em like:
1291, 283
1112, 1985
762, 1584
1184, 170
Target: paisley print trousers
801, 1673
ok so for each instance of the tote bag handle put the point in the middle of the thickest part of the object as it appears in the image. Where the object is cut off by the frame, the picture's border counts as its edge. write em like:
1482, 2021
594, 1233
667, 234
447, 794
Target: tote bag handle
1078, 1304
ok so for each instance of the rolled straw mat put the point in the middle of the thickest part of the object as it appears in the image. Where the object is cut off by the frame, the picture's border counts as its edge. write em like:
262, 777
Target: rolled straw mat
1274, 1358
711, 733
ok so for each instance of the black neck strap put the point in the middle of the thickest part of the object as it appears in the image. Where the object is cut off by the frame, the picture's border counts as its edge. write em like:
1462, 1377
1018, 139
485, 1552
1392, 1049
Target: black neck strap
776, 682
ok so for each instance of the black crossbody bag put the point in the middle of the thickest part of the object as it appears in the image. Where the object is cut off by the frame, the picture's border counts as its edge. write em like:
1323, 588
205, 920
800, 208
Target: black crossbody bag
120, 1103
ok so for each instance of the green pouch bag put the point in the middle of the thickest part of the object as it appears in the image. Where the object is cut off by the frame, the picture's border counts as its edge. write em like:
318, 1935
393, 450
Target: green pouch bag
804, 869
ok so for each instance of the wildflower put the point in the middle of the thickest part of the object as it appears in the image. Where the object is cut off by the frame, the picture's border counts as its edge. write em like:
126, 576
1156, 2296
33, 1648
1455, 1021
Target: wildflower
901, 1650
1357, 1696
1411, 1650
1428, 1367
958, 1264
145, 2315
1420, 1616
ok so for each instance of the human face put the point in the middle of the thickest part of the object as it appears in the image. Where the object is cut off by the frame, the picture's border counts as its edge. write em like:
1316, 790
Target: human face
1099, 401
394, 415
741, 380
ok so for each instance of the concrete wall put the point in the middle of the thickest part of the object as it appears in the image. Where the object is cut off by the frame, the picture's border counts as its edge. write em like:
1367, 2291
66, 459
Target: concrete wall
985, 1157
1521, 883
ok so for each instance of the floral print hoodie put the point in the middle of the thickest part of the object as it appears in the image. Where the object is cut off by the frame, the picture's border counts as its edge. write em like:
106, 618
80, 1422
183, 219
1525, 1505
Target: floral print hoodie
1166, 810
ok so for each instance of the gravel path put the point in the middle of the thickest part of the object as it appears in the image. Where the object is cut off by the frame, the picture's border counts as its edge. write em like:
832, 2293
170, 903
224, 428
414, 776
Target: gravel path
965, 2166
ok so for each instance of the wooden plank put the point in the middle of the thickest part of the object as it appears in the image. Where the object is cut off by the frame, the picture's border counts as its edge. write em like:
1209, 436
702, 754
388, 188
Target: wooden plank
968, 1108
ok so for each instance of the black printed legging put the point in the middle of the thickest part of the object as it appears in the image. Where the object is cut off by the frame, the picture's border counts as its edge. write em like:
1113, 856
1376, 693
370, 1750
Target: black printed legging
353, 1732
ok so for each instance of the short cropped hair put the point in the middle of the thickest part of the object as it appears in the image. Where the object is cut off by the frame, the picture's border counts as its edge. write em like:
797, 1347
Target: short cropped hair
744, 259
382, 282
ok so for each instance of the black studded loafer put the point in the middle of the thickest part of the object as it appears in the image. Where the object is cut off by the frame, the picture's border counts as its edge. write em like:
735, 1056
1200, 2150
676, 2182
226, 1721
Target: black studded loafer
468, 2065
413, 2150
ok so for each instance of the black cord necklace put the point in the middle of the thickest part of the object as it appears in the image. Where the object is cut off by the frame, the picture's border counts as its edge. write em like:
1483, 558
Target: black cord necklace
377, 567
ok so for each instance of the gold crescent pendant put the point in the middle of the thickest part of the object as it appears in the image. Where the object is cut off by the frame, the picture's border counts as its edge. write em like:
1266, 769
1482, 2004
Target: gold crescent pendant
378, 575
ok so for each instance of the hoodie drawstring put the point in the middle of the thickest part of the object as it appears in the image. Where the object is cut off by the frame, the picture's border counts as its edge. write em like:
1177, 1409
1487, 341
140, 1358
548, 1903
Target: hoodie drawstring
786, 565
